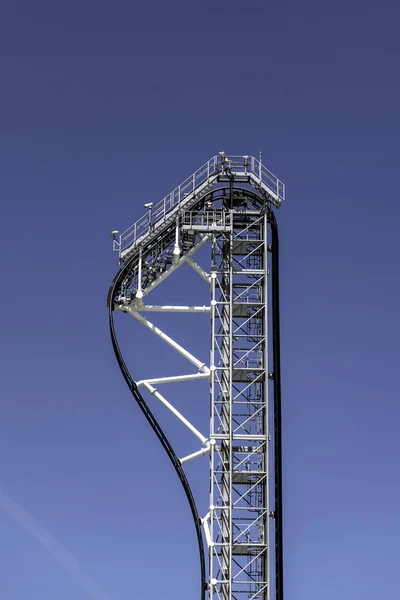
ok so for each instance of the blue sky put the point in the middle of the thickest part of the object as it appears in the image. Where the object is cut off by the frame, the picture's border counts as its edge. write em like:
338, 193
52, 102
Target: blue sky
107, 105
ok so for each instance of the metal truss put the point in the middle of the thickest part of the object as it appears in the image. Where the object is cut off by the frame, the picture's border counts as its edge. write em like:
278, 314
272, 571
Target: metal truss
239, 503
243, 443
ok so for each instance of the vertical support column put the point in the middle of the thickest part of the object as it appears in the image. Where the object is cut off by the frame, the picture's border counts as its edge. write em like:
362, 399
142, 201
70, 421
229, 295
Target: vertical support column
213, 456
239, 497
221, 419
265, 299
226, 414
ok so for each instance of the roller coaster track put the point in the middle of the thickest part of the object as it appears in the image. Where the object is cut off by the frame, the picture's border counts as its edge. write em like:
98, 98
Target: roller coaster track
161, 234
166, 445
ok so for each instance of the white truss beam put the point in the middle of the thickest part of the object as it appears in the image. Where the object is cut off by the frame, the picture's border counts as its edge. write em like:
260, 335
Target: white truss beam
180, 349
175, 412
174, 378
179, 309
197, 454
173, 267
207, 532
199, 270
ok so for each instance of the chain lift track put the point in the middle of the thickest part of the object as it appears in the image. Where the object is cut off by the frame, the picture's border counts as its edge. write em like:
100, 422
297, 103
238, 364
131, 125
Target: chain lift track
226, 204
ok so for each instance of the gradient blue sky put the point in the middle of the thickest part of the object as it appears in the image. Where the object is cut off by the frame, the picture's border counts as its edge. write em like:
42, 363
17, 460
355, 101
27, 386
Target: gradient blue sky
107, 105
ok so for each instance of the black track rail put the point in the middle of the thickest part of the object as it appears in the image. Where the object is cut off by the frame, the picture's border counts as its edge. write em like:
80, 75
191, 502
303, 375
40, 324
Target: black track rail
276, 342
164, 441
278, 513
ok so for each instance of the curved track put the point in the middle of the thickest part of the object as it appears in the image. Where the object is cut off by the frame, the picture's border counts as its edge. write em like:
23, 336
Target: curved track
166, 445
120, 277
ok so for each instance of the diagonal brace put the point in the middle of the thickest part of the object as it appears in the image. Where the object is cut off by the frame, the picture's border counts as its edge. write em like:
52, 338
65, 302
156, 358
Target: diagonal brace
200, 365
175, 412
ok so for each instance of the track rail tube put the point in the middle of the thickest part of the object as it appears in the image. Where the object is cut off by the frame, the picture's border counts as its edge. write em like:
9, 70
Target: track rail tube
277, 409
158, 431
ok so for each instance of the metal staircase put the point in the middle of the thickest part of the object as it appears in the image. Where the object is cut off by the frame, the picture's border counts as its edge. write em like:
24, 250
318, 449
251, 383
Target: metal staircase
220, 168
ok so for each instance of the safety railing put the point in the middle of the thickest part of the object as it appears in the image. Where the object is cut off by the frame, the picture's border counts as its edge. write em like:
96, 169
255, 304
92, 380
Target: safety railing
207, 220
249, 165
181, 196
156, 213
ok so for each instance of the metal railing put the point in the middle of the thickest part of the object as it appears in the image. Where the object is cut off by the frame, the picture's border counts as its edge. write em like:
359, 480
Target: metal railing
246, 166
249, 165
207, 220
157, 214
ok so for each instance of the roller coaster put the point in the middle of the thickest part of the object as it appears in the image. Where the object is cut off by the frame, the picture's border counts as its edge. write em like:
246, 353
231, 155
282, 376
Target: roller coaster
228, 206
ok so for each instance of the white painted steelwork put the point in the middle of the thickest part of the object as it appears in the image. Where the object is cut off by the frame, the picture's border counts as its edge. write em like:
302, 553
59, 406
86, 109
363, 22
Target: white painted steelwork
234, 219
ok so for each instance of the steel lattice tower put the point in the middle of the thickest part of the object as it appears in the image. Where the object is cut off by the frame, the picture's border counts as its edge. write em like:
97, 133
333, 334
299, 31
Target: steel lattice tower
228, 203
